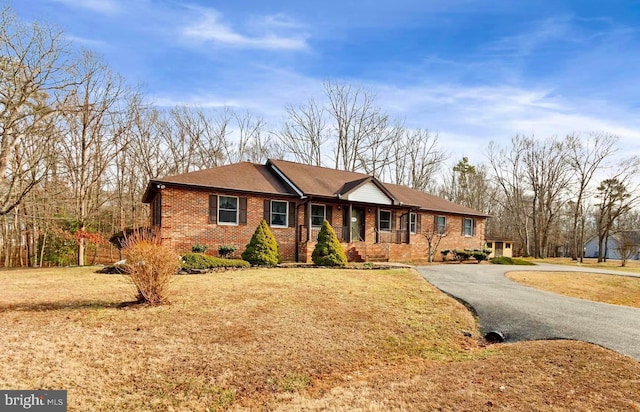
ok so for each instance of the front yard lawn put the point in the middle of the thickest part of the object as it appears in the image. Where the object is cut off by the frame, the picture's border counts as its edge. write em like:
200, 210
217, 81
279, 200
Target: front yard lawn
617, 290
285, 339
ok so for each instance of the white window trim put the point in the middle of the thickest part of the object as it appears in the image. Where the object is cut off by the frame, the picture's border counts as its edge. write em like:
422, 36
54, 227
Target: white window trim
286, 215
414, 222
380, 221
324, 214
237, 211
463, 226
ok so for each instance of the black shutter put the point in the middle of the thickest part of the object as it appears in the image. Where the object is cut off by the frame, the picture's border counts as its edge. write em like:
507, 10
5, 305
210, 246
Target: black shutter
329, 214
213, 209
377, 225
267, 211
243, 210
292, 214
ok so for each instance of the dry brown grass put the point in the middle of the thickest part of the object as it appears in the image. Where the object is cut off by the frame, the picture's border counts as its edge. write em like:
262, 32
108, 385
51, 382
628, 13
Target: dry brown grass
633, 266
285, 339
617, 290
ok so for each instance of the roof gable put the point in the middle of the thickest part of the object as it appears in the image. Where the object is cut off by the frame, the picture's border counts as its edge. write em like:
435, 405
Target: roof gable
243, 176
369, 193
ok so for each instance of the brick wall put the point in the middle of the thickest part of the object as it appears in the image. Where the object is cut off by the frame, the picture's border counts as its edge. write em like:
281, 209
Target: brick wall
185, 222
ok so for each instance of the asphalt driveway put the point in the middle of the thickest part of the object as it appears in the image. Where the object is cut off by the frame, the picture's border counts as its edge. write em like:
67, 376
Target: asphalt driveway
524, 313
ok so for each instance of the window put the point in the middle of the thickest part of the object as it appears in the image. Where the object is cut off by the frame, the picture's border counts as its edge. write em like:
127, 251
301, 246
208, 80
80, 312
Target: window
279, 213
490, 245
317, 215
227, 210
441, 224
156, 210
507, 245
412, 223
385, 221
468, 227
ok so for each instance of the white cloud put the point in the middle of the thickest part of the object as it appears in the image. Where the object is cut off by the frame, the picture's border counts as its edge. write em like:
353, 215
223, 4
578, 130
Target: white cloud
89, 43
100, 6
211, 28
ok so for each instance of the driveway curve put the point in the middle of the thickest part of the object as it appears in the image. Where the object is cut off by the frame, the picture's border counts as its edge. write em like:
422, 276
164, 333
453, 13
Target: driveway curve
524, 313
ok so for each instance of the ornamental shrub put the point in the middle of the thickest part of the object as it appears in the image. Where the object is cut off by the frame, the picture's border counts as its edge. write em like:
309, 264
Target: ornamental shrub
202, 261
199, 248
262, 250
328, 250
226, 250
150, 265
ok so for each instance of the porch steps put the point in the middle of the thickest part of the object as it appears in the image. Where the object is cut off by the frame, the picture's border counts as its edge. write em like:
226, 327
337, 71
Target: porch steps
353, 255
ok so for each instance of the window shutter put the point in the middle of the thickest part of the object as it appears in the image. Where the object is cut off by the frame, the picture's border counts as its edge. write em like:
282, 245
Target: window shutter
393, 220
267, 211
213, 209
473, 227
242, 216
329, 214
292, 214
377, 225
418, 223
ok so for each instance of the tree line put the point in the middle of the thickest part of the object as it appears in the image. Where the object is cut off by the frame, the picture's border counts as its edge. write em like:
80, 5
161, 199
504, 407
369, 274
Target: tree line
78, 145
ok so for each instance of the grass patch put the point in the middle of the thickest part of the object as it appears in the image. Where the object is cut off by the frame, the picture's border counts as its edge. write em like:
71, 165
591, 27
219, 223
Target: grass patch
505, 260
633, 266
617, 290
283, 339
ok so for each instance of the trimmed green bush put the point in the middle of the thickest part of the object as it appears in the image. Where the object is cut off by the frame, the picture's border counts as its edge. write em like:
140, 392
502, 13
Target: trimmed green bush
328, 250
199, 248
226, 250
462, 254
262, 250
202, 261
504, 260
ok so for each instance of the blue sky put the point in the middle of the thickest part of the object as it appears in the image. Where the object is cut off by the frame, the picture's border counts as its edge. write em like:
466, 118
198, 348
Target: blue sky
471, 70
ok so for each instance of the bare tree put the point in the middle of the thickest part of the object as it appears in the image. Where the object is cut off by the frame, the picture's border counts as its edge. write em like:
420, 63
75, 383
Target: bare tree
508, 169
357, 123
617, 195
586, 156
33, 70
96, 118
627, 234
305, 133
628, 245
433, 237
416, 158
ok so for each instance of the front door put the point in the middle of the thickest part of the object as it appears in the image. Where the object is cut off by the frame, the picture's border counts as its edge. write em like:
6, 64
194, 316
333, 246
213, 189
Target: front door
499, 250
357, 224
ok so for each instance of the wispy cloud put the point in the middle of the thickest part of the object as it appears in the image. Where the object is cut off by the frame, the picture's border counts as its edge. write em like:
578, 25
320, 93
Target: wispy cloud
542, 33
86, 42
100, 6
211, 28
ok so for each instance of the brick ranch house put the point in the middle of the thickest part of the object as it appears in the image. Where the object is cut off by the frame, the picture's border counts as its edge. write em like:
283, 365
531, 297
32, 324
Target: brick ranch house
373, 220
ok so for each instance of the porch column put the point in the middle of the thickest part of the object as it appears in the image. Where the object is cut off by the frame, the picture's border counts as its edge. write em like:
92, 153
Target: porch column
348, 223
